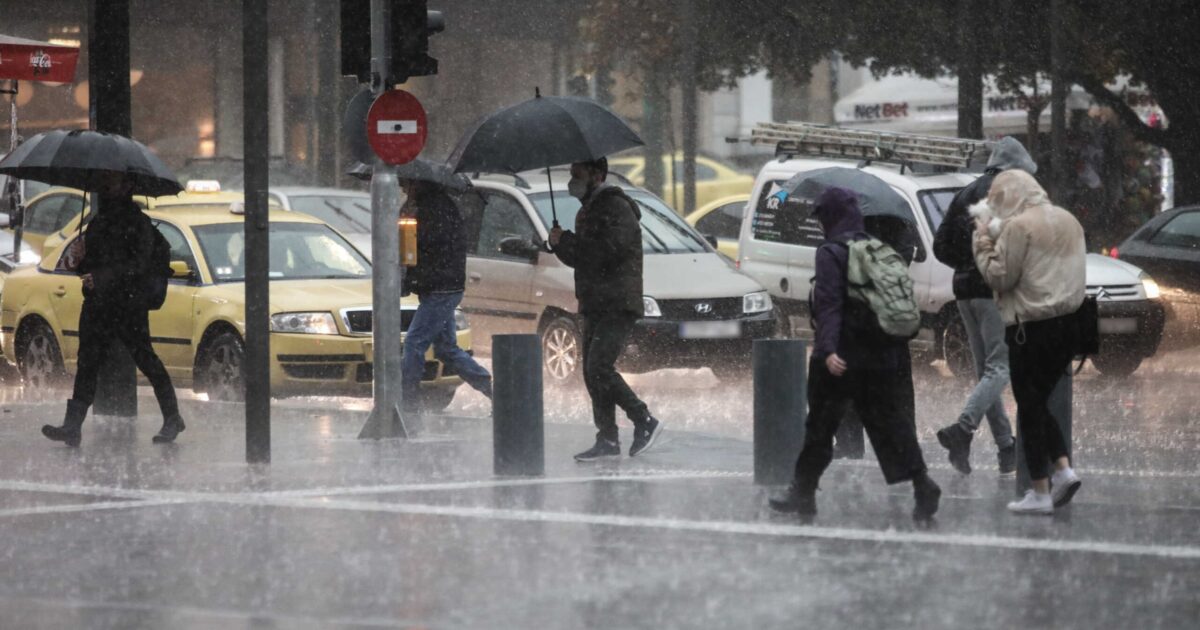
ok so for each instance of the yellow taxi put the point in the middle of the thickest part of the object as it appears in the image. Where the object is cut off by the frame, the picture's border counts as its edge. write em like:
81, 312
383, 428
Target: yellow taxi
320, 309
721, 220
714, 179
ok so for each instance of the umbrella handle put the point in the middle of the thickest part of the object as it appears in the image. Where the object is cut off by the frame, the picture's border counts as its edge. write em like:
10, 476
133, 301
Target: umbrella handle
553, 209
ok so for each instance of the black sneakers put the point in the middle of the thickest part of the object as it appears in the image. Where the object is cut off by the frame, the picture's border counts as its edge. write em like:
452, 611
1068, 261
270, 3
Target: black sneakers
171, 428
957, 440
796, 501
1008, 459
645, 435
603, 449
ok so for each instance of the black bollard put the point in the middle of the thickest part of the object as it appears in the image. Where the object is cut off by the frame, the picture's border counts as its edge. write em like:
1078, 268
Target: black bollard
780, 408
1061, 400
518, 440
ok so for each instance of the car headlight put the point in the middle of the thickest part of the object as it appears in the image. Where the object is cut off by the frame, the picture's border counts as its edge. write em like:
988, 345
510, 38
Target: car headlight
1150, 286
650, 307
460, 320
310, 323
759, 302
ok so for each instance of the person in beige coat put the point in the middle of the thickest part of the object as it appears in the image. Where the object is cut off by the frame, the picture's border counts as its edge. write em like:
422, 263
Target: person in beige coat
1032, 254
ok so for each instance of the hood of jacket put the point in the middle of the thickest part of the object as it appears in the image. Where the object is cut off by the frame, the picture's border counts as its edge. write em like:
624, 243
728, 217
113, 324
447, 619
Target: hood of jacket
1008, 154
605, 189
837, 211
1013, 192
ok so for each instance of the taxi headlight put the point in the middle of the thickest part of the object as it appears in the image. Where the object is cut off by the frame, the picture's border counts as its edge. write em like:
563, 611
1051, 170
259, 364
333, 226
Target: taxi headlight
460, 320
308, 323
759, 302
1150, 286
650, 307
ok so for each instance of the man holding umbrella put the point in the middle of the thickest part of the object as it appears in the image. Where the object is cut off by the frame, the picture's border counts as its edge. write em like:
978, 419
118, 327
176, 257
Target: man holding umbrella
115, 259
606, 253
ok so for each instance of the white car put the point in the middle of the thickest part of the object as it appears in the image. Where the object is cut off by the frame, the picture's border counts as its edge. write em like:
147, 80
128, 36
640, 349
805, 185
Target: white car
1131, 315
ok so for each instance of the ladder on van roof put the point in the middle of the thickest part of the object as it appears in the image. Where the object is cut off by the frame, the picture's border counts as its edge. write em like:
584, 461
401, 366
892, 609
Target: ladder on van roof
812, 139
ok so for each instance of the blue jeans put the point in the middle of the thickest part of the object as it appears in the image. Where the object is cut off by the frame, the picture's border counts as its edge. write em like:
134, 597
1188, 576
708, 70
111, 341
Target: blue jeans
985, 334
433, 324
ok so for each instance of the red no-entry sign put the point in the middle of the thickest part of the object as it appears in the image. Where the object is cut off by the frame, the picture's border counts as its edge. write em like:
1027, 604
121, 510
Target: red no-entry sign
396, 127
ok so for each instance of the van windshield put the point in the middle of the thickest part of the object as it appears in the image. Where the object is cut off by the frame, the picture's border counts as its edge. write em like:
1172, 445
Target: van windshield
663, 231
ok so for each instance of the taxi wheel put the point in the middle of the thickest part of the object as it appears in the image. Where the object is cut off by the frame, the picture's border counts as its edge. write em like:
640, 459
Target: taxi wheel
562, 352
39, 358
1116, 363
221, 368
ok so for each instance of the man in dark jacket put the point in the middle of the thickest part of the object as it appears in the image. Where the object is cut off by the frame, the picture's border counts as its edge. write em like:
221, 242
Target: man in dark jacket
980, 317
846, 367
438, 280
116, 252
606, 252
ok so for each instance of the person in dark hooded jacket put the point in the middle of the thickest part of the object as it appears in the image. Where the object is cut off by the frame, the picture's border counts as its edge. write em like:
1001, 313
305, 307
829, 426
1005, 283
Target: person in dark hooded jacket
952, 245
606, 252
847, 368
116, 253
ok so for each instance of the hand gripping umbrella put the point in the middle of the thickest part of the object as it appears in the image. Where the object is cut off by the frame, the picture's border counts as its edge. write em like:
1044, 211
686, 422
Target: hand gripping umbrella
887, 214
540, 133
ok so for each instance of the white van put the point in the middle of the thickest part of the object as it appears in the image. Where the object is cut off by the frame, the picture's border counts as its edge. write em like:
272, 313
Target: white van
783, 260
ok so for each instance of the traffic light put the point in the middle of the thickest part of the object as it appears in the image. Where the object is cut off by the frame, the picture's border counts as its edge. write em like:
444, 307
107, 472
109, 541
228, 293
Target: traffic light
412, 24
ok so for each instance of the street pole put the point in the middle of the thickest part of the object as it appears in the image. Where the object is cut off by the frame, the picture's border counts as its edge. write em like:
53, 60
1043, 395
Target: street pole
687, 83
109, 99
256, 367
387, 275
1058, 105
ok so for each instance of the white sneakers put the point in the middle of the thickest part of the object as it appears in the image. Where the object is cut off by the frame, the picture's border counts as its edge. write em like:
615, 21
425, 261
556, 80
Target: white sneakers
1063, 486
1033, 503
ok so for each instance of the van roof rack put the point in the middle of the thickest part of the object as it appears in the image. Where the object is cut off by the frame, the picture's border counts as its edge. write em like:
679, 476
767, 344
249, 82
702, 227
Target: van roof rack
801, 138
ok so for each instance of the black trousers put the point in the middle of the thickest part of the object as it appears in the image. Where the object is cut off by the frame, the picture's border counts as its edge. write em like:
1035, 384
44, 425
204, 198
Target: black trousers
886, 406
1039, 354
604, 336
99, 325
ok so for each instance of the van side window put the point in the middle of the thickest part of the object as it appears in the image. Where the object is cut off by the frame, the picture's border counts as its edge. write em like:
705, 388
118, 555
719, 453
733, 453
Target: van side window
723, 222
503, 217
788, 223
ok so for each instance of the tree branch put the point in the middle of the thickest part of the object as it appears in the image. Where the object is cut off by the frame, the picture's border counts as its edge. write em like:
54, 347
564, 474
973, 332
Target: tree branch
1130, 118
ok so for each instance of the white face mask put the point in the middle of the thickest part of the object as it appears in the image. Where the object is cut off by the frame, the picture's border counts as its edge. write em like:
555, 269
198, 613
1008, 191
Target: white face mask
578, 188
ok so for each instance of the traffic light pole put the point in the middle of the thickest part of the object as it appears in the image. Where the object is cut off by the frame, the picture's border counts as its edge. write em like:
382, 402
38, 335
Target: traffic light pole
387, 274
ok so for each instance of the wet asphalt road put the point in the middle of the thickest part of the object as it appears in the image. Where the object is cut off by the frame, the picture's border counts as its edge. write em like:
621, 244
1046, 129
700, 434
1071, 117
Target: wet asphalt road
342, 533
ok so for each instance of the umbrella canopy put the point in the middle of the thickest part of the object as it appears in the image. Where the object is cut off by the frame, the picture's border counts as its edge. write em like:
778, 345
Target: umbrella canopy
875, 196
420, 170
84, 159
541, 132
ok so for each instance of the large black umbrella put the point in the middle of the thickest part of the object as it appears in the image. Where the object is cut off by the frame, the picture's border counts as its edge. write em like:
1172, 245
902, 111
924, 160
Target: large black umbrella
542, 132
85, 159
420, 170
888, 215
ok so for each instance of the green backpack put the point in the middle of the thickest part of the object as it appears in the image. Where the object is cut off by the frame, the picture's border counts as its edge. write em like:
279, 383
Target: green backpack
882, 303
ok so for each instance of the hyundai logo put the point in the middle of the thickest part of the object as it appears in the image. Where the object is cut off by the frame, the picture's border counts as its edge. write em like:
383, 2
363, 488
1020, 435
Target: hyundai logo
704, 308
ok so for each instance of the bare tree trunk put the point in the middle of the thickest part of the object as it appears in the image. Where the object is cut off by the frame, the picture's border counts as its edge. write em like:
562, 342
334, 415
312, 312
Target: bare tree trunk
655, 103
1058, 106
970, 74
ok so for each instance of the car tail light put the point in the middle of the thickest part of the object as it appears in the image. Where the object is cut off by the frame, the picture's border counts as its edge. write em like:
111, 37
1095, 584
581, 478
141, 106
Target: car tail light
1114, 253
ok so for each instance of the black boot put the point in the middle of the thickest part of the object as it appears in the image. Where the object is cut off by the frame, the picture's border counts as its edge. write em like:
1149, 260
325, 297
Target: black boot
957, 440
926, 494
172, 427
69, 433
800, 499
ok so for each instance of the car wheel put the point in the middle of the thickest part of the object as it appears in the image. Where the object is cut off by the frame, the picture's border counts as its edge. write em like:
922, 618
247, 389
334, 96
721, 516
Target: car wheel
562, 351
956, 350
39, 358
1116, 363
221, 368
437, 398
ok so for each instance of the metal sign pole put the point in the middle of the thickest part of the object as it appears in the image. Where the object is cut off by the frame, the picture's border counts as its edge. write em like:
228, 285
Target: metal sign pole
387, 274
256, 131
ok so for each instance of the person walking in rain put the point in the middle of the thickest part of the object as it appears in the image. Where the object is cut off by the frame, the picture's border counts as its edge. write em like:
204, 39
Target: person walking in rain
606, 252
848, 368
439, 280
114, 259
985, 329
1032, 254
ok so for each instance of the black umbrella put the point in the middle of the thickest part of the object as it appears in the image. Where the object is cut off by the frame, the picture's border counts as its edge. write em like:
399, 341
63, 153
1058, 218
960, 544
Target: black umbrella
875, 196
540, 133
888, 215
85, 159
420, 170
